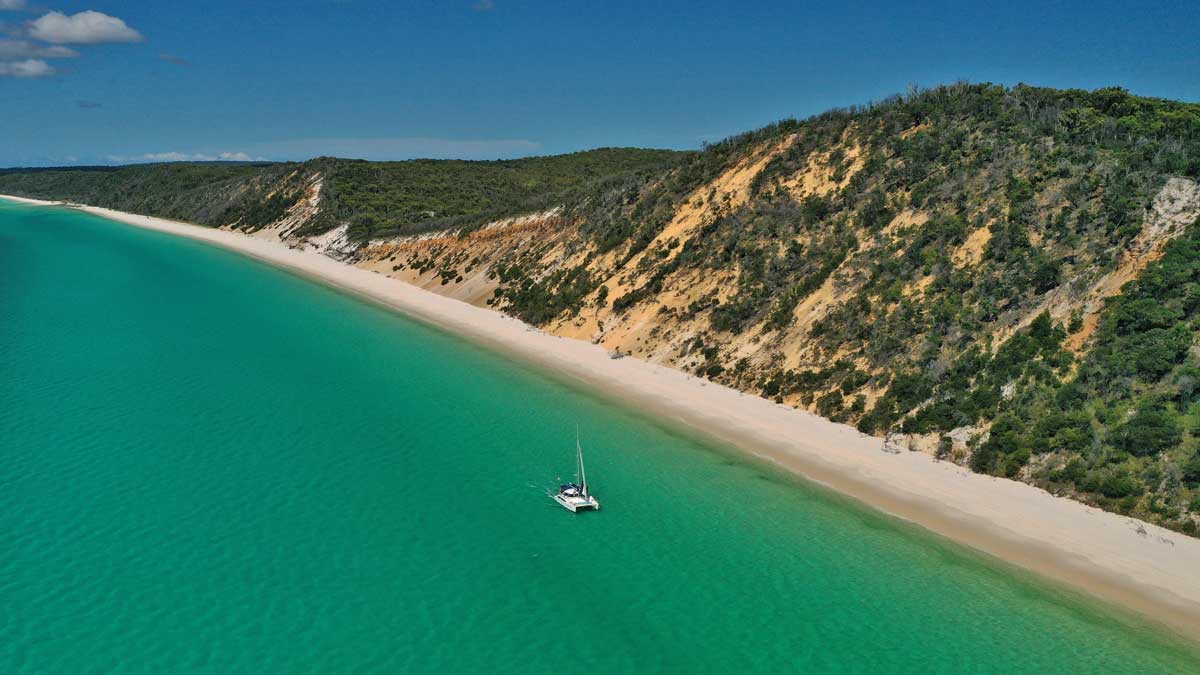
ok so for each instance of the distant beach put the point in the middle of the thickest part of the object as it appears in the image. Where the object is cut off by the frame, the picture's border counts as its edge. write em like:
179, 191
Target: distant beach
1146, 568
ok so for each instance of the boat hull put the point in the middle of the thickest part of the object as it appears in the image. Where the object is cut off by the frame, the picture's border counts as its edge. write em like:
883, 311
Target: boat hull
577, 504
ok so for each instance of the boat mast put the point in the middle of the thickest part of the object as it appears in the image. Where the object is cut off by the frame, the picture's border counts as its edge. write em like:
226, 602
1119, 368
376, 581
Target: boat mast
579, 454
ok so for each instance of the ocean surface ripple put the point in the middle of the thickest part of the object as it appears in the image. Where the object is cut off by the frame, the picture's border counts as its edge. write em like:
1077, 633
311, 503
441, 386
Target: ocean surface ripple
209, 465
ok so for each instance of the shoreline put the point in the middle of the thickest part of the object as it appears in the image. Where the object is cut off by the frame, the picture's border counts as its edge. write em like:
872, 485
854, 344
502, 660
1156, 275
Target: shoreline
1145, 568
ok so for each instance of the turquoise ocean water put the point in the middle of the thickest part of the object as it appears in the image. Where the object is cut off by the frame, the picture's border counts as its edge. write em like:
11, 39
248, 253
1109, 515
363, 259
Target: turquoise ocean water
209, 465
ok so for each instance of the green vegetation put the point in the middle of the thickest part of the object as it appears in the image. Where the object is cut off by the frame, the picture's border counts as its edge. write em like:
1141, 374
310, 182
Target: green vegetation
1124, 428
205, 193
375, 198
537, 301
1055, 184
389, 198
908, 294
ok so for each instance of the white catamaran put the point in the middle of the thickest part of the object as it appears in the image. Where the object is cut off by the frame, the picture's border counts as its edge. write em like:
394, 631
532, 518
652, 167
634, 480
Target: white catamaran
575, 497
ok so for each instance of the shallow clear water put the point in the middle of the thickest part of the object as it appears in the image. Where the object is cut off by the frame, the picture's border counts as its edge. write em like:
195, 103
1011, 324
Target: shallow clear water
210, 465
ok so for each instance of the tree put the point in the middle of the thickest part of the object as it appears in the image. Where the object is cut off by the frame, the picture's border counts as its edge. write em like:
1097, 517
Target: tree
1151, 430
1191, 470
1118, 484
1073, 472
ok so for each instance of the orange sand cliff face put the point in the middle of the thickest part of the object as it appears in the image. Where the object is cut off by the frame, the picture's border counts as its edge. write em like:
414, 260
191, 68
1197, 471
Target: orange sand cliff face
670, 326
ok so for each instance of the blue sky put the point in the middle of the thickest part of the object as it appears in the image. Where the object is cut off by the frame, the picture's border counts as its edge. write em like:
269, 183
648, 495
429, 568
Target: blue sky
136, 80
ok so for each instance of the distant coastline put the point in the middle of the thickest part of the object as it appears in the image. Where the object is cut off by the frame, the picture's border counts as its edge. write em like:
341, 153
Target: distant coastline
1146, 568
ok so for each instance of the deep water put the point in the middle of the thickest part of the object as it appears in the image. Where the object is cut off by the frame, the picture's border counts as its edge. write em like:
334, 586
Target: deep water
207, 464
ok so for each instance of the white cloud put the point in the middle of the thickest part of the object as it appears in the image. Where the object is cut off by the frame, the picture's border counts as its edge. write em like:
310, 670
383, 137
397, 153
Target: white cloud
169, 157
26, 68
385, 148
184, 157
19, 49
89, 27
393, 148
12, 4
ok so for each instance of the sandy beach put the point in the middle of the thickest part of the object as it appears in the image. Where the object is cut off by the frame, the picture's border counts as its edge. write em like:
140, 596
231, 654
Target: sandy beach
1151, 570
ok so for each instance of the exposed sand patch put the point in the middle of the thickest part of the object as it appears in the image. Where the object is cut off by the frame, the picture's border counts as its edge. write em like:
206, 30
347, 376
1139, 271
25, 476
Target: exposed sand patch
297, 216
918, 287
818, 177
970, 252
905, 219
913, 131
471, 256
334, 243
840, 287
646, 331
728, 191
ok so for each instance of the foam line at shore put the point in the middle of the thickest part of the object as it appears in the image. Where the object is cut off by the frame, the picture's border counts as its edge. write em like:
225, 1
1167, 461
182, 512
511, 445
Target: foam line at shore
1149, 569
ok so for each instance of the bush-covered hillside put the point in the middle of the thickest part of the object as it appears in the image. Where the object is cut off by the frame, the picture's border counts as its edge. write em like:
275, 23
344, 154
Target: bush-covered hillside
1005, 277
947, 261
205, 193
374, 198
394, 198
